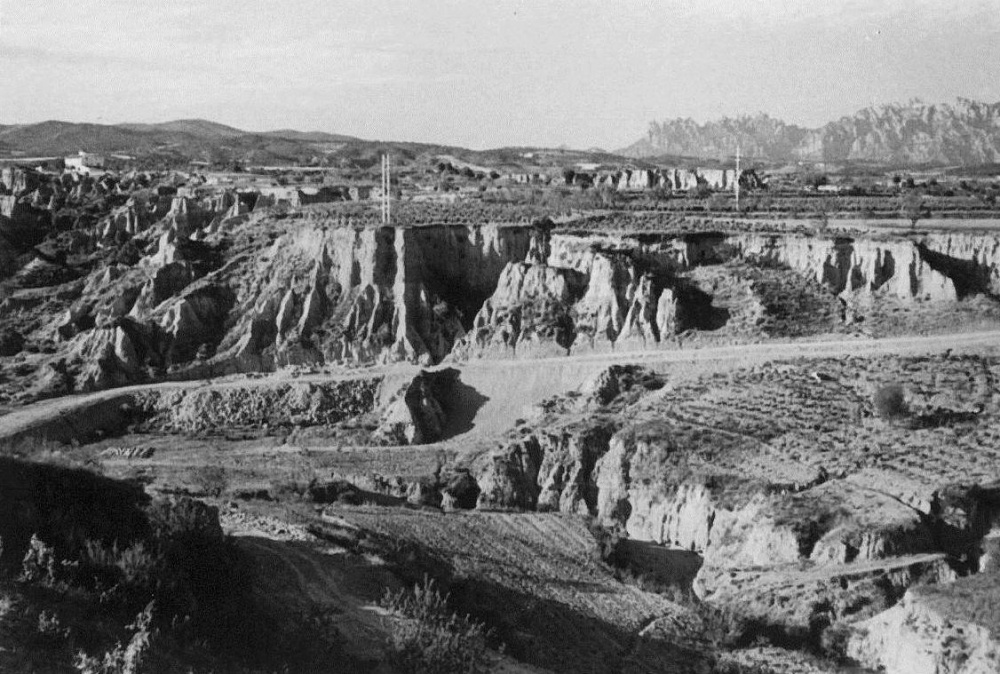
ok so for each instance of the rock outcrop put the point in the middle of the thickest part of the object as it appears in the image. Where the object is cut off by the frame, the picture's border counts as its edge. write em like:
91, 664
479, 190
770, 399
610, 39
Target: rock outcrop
317, 294
216, 409
527, 315
923, 636
255, 294
348, 295
790, 533
415, 414
900, 269
11, 342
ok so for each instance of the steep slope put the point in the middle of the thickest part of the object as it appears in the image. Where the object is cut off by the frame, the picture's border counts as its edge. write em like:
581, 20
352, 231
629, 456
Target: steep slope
949, 629
214, 290
806, 508
603, 292
257, 294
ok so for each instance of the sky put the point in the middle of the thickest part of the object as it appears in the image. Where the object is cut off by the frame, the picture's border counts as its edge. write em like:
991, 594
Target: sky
490, 73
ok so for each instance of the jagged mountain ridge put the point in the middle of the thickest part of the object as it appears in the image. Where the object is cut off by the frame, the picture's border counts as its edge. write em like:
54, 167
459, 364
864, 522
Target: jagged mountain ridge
966, 132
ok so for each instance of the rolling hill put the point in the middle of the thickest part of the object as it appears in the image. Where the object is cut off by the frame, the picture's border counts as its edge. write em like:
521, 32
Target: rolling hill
176, 141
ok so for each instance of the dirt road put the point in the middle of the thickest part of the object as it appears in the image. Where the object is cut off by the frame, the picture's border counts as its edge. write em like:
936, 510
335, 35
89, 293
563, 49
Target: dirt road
512, 387
506, 388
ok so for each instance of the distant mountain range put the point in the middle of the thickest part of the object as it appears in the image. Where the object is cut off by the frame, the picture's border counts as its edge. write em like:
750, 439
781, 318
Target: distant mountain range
180, 140
176, 143
964, 133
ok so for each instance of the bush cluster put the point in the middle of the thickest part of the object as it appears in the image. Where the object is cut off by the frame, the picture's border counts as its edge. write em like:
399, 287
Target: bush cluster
431, 639
180, 578
890, 403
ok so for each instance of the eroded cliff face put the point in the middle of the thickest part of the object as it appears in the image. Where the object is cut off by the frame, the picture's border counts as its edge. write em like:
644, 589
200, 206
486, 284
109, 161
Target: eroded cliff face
939, 266
417, 413
804, 510
595, 292
588, 294
547, 470
256, 292
350, 295
315, 294
645, 484
914, 637
933, 267
846, 266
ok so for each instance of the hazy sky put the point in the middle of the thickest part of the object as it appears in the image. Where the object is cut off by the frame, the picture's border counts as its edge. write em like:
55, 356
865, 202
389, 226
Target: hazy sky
484, 73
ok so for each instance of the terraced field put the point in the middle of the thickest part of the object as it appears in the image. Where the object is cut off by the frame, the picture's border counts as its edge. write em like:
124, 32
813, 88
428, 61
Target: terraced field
538, 579
799, 418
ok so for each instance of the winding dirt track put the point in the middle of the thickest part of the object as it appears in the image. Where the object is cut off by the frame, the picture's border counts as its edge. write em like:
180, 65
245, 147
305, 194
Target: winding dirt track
506, 388
511, 386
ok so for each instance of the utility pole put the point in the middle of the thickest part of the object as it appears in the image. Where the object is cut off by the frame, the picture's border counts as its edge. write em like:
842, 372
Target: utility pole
736, 183
386, 186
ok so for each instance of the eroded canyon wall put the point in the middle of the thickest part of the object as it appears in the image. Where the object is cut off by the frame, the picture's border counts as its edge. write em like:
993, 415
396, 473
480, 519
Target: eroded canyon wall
325, 293
316, 294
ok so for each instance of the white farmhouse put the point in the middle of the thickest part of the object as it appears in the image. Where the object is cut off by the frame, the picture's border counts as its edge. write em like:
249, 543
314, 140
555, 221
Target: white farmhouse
84, 162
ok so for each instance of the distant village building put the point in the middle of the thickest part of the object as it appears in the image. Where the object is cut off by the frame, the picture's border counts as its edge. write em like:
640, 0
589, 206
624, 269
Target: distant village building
84, 162
361, 192
303, 196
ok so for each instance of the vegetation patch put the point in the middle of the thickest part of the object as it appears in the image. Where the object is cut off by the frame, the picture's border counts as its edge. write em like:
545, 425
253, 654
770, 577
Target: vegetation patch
429, 638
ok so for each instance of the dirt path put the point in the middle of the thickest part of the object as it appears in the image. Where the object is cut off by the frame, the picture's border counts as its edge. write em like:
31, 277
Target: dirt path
512, 387
506, 388
299, 578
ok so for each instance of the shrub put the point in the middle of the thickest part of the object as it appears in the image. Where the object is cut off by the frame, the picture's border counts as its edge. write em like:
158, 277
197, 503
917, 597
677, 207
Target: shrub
123, 658
430, 638
6, 606
203, 574
64, 508
723, 626
294, 486
50, 629
129, 570
890, 402
718, 202
211, 480
609, 549
699, 191
833, 642
733, 667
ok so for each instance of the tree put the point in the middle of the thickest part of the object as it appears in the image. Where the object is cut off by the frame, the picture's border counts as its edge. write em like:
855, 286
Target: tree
815, 179
823, 209
608, 195
661, 193
912, 207
890, 403
699, 191
718, 202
